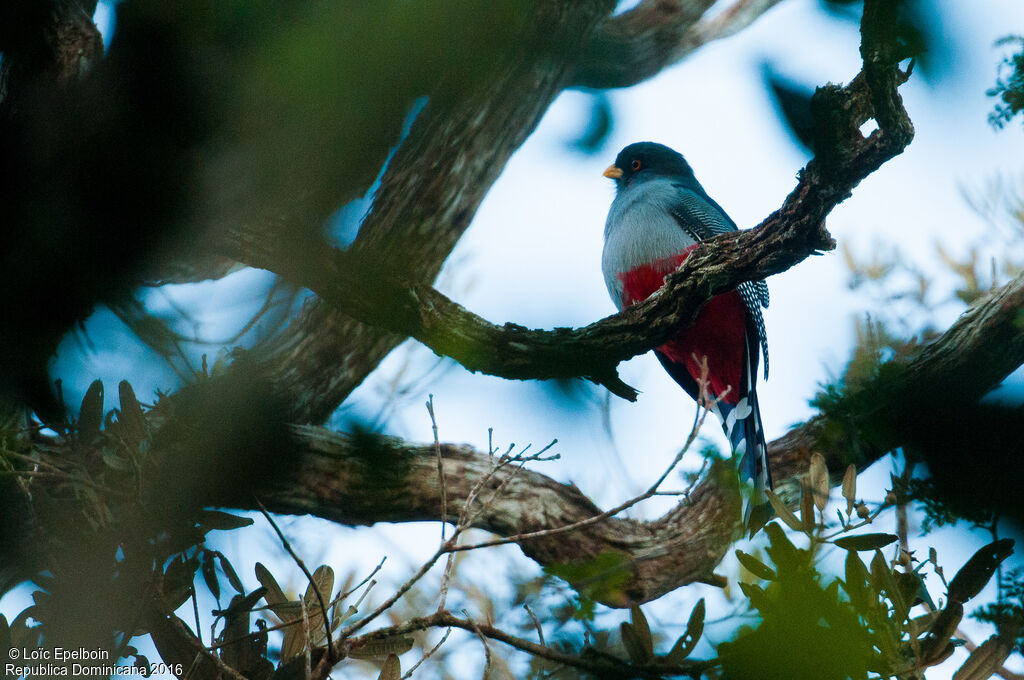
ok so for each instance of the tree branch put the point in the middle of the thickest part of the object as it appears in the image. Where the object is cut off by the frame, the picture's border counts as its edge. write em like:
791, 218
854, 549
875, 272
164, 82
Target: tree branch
602, 667
344, 481
428, 195
972, 357
635, 45
353, 285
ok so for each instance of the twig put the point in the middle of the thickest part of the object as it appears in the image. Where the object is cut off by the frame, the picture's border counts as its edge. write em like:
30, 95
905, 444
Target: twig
520, 458
361, 583
650, 492
309, 639
483, 641
604, 667
309, 577
402, 590
536, 623
365, 593
195, 611
447, 547
34, 461
440, 466
408, 673
449, 566
446, 576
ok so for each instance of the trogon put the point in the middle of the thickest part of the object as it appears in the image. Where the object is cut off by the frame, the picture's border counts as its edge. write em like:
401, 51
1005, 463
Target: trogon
659, 215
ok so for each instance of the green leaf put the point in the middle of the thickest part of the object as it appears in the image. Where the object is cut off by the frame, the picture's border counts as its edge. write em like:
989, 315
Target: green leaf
601, 577
643, 631
756, 566
882, 579
758, 598
919, 624
294, 640
818, 478
274, 595
392, 669
863, 542
133, 422
340, 615
973, 576
382, 647
214, 520
220, 364
910, 585
850, 488
857, 581
783, 512
90, 415
178, 580
210, 574
781, 550
688, 640
323, 582
631, 641
229, 572
806, 504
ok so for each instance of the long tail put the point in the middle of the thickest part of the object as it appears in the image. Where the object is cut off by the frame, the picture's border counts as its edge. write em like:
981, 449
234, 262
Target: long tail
742, 425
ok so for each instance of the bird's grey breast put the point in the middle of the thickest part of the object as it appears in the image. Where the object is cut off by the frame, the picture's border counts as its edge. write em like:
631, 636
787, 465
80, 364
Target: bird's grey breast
639, 230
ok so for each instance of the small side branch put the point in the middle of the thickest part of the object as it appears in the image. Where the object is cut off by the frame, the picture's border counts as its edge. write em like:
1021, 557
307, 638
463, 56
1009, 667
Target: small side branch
603, 666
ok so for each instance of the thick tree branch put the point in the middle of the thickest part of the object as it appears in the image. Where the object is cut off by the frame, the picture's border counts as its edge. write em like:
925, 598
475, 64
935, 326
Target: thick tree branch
354, 482
353, 285
336, 480
972, 357
427, 198
635, 45
461, 150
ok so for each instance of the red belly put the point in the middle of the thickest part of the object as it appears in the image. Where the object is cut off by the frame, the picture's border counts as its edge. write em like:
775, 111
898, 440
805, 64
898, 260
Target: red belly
717, 334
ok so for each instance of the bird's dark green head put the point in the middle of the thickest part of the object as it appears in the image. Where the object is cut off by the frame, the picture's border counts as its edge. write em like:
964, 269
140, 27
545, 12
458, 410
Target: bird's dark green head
647, 159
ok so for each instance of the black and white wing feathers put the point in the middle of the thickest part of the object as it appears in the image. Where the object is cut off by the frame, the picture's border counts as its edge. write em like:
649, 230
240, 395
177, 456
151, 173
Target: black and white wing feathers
702, 218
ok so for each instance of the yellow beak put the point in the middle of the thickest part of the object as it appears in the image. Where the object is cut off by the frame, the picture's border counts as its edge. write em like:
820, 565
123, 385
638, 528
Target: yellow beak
613, 172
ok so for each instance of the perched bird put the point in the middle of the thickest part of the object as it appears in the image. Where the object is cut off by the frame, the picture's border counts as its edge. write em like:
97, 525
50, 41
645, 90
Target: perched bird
660, 213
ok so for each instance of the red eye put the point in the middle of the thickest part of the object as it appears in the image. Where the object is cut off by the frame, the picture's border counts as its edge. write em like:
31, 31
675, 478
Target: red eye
635, 165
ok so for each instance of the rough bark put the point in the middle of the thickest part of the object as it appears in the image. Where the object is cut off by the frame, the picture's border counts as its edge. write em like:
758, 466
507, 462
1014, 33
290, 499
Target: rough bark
336, 482
427, 198
45, 45
353, 283
635, 45
433, 187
